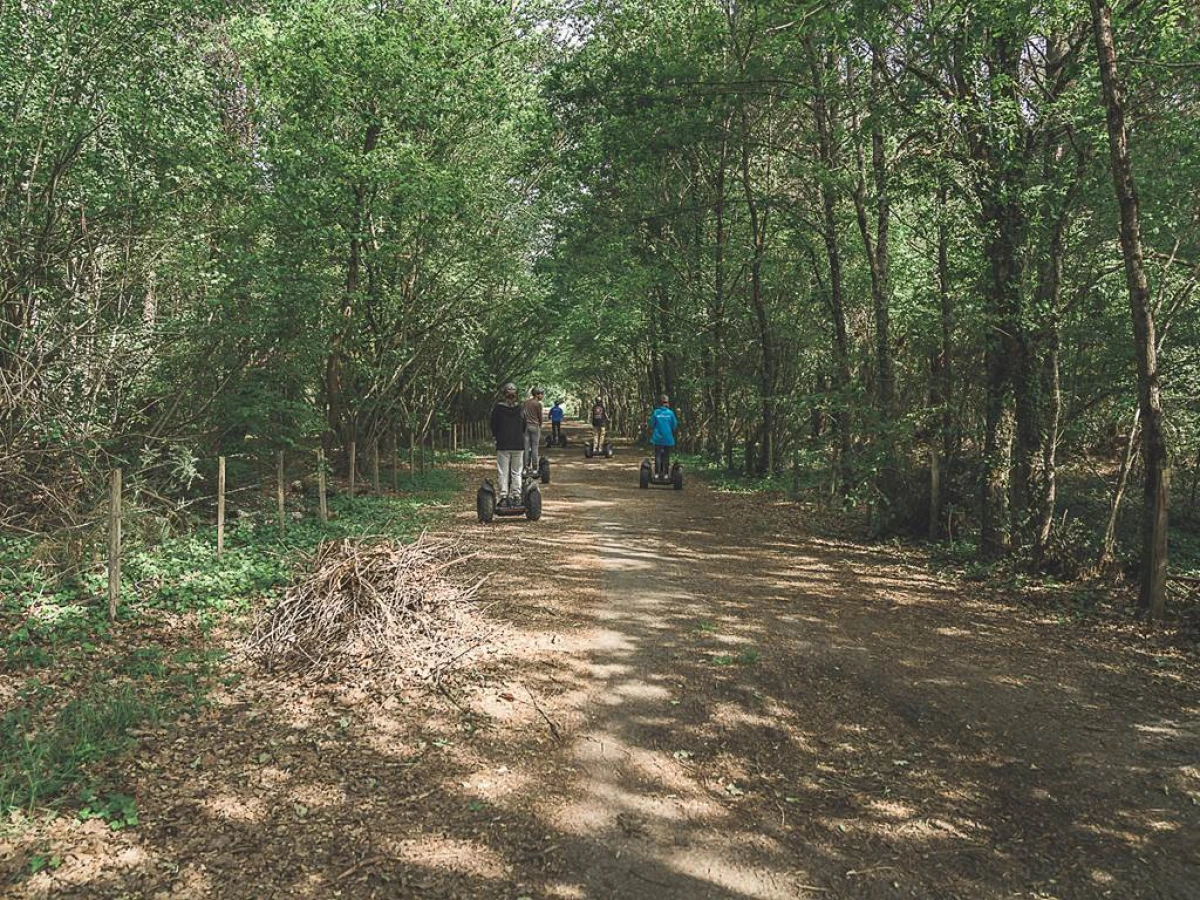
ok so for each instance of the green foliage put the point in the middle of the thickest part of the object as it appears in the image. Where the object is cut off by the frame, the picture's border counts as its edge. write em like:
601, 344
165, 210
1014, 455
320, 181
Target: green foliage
118, 810
60, 631
39, 761
755, 201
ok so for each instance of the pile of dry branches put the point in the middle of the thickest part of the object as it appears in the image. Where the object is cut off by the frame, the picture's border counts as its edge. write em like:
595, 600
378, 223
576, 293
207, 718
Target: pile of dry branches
371, 604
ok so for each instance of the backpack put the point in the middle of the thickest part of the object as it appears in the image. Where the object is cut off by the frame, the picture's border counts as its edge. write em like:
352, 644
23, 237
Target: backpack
598, 413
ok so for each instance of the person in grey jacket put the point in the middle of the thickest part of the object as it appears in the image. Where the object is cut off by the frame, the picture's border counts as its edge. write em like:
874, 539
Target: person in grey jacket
531, 410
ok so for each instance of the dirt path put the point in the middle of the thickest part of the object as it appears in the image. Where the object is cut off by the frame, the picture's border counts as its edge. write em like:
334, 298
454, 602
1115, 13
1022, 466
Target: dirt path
681, 703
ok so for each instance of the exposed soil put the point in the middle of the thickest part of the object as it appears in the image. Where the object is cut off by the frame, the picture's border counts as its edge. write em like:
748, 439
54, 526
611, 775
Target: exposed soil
682, 695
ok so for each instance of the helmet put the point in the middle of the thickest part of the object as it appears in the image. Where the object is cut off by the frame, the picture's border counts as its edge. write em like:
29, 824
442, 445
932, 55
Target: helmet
509, 388
535, 391
664, 400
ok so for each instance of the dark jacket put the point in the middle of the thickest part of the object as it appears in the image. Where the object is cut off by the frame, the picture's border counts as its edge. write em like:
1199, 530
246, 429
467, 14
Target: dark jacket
599, 415
508, 426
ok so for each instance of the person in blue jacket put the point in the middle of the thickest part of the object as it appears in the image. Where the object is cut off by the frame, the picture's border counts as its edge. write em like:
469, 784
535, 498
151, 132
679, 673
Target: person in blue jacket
663, 426
556, 420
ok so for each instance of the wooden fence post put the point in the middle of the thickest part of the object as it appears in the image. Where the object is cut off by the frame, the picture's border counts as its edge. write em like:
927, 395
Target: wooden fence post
279, 489
220, 506
394, 461
353, 466
375, 467
454, 437
114, 544
321, 495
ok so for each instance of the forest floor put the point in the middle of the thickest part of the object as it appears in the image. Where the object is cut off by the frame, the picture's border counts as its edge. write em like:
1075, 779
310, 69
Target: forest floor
683, 695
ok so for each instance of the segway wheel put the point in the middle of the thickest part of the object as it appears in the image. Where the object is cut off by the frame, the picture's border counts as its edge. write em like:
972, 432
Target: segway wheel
533, 505
587, 451
608, 451
644, 475
544, 470
677, 477
485, 505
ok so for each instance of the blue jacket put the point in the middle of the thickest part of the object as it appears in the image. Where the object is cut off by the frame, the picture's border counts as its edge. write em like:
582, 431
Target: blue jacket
556, 413
664, 423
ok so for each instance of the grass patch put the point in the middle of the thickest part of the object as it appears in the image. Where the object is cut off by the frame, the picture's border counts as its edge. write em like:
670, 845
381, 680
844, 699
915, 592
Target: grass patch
39, 762
746, 657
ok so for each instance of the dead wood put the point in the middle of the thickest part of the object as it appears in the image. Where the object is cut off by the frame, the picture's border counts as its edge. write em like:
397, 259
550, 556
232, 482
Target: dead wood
370, 604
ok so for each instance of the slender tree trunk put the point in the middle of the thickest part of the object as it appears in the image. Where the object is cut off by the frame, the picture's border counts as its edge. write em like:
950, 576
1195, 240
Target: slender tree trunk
841, 342
943, 446
767, 371
876, 247
1108, 549
715, 394
1043, 484
1152, 594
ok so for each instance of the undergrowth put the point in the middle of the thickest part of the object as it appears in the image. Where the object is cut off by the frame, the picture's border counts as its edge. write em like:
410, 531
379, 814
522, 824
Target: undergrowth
76, 687
806, 477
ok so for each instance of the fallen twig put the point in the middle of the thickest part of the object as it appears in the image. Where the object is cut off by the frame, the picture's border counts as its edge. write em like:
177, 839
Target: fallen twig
553, 725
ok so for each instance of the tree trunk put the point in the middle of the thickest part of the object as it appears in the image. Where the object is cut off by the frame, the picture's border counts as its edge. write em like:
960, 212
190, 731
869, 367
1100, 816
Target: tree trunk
1152, 594
720, 429
943, 444
841, 342
1108, 549
876, 247
1003, 222
767, 374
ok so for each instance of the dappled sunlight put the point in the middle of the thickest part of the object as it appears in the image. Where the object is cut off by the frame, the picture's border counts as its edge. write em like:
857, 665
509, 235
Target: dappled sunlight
441, 852
669, 707
716, 867
235, 807
566, 891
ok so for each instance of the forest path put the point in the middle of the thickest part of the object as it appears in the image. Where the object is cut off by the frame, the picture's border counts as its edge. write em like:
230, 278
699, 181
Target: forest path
687, 697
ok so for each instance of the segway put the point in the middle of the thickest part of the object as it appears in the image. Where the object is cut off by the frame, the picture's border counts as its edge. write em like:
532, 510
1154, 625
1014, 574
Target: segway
561, 442
541, 473
488, 507
605, 451
648, 475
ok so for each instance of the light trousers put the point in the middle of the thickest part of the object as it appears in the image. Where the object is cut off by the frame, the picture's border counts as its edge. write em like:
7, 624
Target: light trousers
508, 471
533, 435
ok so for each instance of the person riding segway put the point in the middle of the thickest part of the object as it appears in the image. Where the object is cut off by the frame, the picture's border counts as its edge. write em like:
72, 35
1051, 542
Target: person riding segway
557, 414
512, 494
599, 445
663, 425
536, 466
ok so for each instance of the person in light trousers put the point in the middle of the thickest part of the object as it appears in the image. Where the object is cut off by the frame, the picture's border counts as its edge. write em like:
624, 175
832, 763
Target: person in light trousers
531, 410
508, 428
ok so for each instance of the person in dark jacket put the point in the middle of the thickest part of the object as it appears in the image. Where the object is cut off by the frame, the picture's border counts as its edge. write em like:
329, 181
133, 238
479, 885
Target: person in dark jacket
508, 428
599, 425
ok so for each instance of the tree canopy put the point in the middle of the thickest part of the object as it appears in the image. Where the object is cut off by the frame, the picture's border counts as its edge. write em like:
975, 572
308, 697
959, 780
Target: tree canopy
883, 244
